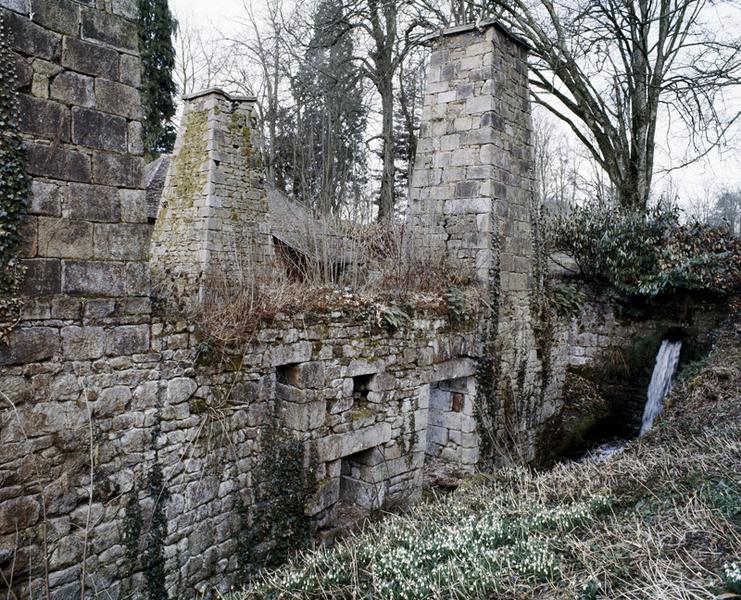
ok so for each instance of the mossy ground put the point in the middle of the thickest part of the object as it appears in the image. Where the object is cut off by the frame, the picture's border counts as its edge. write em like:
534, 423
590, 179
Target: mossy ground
660, 520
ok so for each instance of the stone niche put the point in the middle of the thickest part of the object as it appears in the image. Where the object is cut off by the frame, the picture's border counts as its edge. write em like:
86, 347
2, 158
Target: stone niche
451, 424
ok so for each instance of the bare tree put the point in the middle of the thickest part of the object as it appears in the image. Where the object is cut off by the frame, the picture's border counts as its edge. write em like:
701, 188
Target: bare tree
563, 175
391, 29
202, 61
699, 206
726, 211
610, 68
264, 45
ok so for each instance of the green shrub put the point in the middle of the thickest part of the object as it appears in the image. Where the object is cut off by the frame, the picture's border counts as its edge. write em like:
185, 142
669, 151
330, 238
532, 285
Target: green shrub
567, 300
732, 578
649, 254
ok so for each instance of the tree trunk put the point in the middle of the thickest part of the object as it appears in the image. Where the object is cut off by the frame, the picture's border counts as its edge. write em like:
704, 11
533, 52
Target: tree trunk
386, 196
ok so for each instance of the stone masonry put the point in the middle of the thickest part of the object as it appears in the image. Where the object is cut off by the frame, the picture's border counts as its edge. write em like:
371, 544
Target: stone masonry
86, 233
130, 445
213, 221
616, 348
471, 199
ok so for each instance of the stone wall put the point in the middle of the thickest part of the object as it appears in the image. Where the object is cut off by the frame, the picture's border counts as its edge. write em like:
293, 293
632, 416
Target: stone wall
213, 220
130, 449
357, 402
471, 199
132, 452
78, 73
614, 344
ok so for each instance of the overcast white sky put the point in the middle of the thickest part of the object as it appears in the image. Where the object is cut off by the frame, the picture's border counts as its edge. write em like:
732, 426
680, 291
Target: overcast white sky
719, 171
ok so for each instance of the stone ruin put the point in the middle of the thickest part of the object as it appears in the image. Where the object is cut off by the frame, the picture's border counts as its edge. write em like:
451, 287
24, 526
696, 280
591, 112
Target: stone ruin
186, 446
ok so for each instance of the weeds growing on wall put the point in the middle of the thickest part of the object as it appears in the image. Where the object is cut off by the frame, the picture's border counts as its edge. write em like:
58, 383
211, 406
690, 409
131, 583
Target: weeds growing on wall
14, 185
649, 255
375, 272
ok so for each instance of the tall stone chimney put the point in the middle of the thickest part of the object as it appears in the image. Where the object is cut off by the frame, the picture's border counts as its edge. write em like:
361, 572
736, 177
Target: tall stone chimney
213, 220
471, 199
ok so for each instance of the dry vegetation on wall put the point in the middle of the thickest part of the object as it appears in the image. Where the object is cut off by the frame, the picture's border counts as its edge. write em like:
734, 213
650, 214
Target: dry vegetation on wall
661, 520
374, 271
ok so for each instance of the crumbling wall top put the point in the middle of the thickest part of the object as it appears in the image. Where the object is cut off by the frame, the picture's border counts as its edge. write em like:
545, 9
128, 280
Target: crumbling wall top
219, 92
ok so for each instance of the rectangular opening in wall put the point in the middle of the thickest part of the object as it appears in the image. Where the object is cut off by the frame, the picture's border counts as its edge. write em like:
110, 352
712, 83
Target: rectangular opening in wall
451, 425
362, 410
287, 374
361, 387
355, 488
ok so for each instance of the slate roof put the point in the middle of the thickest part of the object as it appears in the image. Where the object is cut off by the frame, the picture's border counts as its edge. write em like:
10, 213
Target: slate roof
295, 225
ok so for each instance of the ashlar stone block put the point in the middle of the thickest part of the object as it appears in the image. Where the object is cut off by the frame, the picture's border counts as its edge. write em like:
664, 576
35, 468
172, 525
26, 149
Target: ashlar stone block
62, 16
31, 39
90, 59
83, 343
73, 88
96, 129
43, 118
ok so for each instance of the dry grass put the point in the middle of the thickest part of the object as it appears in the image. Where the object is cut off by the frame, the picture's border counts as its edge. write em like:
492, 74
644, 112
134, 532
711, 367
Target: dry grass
658, 521
354, 268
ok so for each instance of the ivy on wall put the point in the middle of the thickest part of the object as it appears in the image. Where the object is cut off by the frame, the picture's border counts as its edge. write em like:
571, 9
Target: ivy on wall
279, 526
144, 539
487, 366
14, 185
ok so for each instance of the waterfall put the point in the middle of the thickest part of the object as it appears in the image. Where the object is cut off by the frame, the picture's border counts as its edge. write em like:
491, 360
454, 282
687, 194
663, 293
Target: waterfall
661, 381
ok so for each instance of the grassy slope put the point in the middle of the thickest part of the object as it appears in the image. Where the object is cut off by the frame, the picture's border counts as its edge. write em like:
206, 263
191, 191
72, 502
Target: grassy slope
659, 521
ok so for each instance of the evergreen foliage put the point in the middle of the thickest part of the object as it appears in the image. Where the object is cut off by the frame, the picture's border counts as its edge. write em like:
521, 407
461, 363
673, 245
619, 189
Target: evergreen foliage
646, 255
14, 185
156, 29
727, 211
330, 116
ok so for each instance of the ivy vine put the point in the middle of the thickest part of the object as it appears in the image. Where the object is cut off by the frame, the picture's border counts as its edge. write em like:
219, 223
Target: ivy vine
14, 186
487, 367
278, 526
542, 312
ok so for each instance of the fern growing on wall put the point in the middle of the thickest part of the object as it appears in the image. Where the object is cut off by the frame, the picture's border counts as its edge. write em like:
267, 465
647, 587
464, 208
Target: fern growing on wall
14, 185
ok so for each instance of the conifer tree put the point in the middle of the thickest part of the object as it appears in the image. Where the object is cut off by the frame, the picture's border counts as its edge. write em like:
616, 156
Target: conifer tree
331, 115
156, 28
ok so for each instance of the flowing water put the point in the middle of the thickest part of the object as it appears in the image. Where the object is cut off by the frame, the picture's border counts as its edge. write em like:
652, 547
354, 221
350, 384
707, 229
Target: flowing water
661, 381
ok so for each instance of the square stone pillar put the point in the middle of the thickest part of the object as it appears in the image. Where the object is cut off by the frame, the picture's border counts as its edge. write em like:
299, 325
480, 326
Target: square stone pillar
212, 227
471, 200
472, 175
